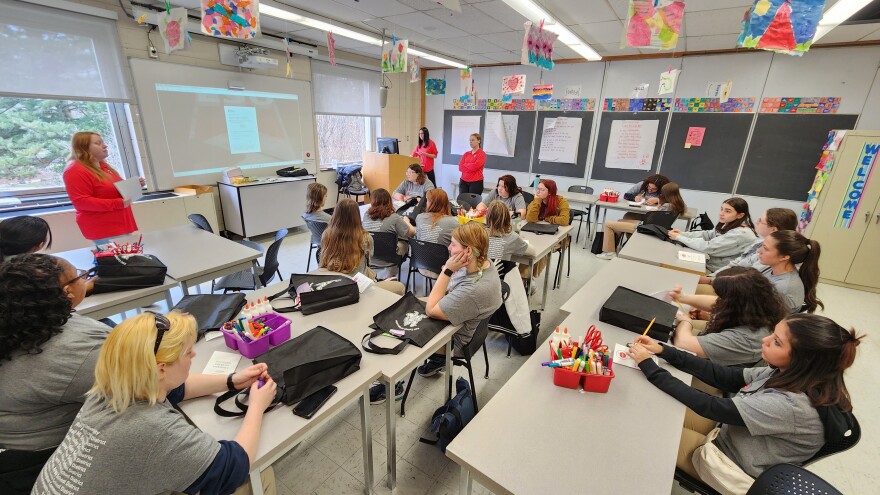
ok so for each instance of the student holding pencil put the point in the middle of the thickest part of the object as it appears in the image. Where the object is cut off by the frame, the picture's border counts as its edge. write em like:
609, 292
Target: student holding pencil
734, 233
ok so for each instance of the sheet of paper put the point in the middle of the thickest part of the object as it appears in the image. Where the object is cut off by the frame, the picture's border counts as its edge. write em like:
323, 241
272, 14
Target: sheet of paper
363, 281
222, 363
213, 334
130, 189
500, 138
560, 140
631, 144
515, 84
719, 89
573, 91
640, 91
667, 82
694, 136
462, 128
622, 358
692, 257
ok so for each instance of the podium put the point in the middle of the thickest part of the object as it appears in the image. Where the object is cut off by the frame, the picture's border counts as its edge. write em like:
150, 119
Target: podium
384, 171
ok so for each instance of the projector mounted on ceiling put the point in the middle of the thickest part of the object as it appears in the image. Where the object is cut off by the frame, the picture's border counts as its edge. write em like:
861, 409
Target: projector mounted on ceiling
254, 58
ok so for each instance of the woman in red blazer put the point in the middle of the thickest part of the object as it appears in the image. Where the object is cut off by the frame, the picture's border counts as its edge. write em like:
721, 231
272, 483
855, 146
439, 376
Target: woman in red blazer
426, 151
471, 167
101, 212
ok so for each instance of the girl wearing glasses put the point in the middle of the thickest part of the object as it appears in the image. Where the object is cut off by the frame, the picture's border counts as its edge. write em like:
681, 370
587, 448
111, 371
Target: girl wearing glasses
550, 207
415, 185
128, 438
47, 360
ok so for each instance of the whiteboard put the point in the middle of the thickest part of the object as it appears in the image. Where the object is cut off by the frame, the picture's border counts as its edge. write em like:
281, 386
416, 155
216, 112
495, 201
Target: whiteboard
196, 126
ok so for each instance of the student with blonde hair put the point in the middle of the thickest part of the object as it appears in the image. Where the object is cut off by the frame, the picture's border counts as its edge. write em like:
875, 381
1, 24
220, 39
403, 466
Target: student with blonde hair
316, 196
129, 438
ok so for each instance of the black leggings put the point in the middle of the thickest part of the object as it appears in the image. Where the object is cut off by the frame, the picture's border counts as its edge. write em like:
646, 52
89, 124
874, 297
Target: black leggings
475, 187
431, 176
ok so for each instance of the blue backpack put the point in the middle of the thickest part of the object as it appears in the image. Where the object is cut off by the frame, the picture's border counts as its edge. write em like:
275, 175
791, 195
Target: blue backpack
450, 419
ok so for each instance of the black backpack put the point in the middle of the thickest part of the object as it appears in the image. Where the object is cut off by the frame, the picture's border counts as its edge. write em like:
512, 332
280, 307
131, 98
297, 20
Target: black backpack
657, 231
450, 419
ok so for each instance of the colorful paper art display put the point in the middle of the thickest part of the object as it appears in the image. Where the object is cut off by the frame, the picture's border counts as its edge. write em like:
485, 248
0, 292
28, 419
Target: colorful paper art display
331, 48
289, 71
518, 105
394, 55
784, 26
568, 104
239, 19
172, 28
694, 136
856, 186
537, 48
435, 87
800, 105
415, 72
706, 105
513, 85
668, 80
637, 104
719, 89
653, 24
542, 91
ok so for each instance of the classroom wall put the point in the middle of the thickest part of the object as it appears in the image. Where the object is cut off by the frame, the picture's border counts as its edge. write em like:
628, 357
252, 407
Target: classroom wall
402, 115
848, 72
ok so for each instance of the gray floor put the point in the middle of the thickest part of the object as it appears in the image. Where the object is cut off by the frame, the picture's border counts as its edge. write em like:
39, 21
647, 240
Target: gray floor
329, 461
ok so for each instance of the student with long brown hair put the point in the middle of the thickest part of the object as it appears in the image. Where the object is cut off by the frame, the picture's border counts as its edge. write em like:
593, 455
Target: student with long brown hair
782, 413
734, 234
381, 217
101, 212
648, 190
792, 263
437, 222
670, 200
316, 196
503, 241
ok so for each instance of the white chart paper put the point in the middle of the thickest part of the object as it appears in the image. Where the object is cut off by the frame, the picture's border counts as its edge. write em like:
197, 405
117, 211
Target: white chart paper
500, 136
631, 144
560, 140
462, 128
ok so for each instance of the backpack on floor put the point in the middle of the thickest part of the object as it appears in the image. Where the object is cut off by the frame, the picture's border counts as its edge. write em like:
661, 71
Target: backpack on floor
527, 344
450, 419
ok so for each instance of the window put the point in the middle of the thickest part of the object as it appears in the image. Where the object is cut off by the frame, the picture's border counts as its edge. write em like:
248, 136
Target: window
344, 138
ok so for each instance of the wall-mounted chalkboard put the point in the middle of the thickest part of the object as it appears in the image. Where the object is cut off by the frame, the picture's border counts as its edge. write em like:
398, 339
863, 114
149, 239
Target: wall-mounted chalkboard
712, 166
600, 172
576, 169
448, 156
525, 131
783, 153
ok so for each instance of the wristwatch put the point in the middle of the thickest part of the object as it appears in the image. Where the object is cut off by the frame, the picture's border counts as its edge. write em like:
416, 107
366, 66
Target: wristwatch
448, 272
229, 384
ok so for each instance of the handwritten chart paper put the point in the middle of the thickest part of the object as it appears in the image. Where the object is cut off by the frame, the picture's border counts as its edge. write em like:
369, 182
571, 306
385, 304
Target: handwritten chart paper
560, 140
462, 128
694, 136
631, 144
500, 136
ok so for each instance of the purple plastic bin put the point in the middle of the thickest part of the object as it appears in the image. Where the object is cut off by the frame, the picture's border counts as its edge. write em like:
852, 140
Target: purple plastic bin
280, 333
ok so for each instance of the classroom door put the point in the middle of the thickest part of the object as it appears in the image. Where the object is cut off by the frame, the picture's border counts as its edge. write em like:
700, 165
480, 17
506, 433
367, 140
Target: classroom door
865, 268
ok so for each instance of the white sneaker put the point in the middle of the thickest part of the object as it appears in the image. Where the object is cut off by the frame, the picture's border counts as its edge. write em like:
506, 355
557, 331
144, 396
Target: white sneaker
606, 256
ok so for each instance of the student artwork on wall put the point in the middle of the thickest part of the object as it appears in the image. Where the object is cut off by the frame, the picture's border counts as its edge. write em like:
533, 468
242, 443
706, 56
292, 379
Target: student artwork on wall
573, 92
239, 19
719, 89
415, 72
513, 85
784, 26
542, 91
537, 48
172, 28
331, 48
435, 87
653, 24
631, 144
466, 82
668, 80
394, 55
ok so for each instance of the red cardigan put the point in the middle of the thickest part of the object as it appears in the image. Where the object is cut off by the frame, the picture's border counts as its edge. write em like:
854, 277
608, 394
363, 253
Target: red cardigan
100, 212
471, 165
427, 162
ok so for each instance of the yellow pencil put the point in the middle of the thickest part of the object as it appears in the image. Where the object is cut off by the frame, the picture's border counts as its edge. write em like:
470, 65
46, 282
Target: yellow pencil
680, 307
649, 326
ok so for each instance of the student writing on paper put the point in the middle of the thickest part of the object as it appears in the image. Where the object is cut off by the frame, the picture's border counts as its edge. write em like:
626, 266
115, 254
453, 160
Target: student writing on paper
784, 412
316, 196
648, 190
129, 438
415, 185
733, 234
471, 167
509, 193
47, 360
22, 235
670, 200
426, 151
101, 212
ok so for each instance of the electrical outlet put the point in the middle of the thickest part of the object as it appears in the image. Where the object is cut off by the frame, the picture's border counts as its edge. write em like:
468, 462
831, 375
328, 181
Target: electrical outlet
153, 52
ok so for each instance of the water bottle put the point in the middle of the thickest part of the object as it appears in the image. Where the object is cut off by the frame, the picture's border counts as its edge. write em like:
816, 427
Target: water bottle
537, 181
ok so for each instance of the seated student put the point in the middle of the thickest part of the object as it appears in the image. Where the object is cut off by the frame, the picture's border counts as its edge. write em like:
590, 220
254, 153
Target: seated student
507, 191
503, 241
316, 196
23, 234
670, 200
745, 311
437, 222
648, 190
467, 291
782, 413
550, 207
415, 185
792, 266
129, 438
734, 234
381, 217
47, 360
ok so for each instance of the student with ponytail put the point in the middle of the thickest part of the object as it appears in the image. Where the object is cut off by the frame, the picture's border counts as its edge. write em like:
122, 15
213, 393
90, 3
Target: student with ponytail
783, 252
781, 413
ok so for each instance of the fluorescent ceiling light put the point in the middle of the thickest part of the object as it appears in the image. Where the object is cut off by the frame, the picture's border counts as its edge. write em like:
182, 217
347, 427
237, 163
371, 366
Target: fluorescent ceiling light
288, 15
535, 13
838, 13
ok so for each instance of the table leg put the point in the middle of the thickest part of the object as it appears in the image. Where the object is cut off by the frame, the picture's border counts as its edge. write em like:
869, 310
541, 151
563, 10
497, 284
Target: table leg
168, 300
391, 432
448, 370
184, 288
367, 440
257, 282
256, 482
465, 483
547, 270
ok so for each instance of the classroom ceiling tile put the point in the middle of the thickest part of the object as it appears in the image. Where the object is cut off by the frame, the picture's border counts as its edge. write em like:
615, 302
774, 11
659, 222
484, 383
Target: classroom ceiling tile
709, 22
443, 48
479, 60
614, 49
562, 51
698, 5
473, 44
399, 31
713, 42
331, 9
600, 32
423, 23
511, 40
873, 36
471, 20
420, 4
507, 57
579, 12
850, 32
376, 8
503, 13
341, 42
620, 7
281, 26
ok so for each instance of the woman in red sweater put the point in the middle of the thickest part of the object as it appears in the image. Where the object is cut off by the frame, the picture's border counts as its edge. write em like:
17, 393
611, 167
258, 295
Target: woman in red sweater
471, 168
101, 212
426, 151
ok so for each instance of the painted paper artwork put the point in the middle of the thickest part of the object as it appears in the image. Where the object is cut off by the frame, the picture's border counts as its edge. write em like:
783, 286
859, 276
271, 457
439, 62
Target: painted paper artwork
542, 91
466, 83
515, 84
394, 55
172, 28
415, 72
435, 87
668, 80
784, 26
537, 48
653, 24
331, 48
239, 19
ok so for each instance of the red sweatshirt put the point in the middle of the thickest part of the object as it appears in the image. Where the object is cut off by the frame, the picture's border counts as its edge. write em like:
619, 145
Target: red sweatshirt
100, 212
471, 165
427, 162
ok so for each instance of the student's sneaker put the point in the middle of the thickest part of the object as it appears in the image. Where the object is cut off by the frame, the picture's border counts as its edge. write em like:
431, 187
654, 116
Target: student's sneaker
432, 367
606, 256
378, 395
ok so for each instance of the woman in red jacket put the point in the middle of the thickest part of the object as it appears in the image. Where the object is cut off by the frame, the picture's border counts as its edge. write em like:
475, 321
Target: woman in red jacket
426, 151
471, 168
101, 212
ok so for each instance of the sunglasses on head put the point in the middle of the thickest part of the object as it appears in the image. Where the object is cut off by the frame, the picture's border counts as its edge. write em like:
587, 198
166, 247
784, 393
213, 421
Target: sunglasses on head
162, 326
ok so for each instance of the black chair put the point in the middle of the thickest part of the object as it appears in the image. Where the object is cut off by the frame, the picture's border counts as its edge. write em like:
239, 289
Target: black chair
429, 256
468, 200
468, 352
784, 479
244, 280
317, 230
664, 219
528, 197
385, 251
343, 183
579, 214
19, 469
201, 222
501, 315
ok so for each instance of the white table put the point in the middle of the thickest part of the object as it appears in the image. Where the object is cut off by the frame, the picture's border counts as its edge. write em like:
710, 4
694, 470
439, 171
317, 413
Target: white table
532, 434
623, 205
649, 249
543, 244
267, 205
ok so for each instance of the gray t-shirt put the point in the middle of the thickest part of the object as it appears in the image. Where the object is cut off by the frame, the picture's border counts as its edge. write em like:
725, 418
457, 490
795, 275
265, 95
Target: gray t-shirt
737, 345
514, 203
507, 245
393, 223
441, 232
413, 189
469, 299
789, 286
721, 249
780, 426
40, 394
748, 258
147, 449
318, 216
